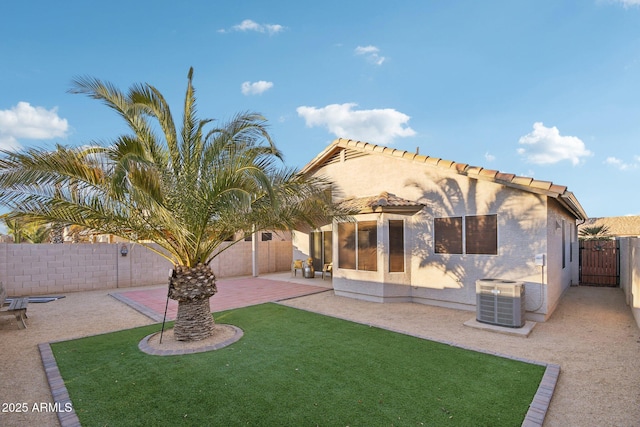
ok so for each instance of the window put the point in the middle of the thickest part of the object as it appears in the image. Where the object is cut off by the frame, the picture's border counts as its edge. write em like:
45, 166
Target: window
448, 235
320, 248
480, 235
347, 245
266, 237
358, 245
572, 232
564, 249
396, 246
368, 245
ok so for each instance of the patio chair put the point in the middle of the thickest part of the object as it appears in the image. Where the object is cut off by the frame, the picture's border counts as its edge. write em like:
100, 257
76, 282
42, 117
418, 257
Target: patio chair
297, 265
327, 269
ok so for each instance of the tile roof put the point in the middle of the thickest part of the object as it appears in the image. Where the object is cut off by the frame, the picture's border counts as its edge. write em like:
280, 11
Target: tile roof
383, 202
617, 225
548, 188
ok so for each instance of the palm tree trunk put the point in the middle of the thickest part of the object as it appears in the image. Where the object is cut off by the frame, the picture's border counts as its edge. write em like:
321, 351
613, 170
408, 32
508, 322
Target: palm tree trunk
56, 234
192, 288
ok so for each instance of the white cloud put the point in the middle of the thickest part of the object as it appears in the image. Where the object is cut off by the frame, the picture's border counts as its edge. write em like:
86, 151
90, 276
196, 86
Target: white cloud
489, 157
255, 88
372, 54
621, 164
27, 122
377, 126
546, 146
627, 3
249, 25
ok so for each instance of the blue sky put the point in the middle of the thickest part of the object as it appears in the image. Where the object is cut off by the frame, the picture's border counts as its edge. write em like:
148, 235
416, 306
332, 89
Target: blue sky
541, 88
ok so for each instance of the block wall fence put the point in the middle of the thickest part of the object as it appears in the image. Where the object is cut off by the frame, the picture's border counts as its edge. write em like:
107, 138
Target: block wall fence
630, 273
39, 269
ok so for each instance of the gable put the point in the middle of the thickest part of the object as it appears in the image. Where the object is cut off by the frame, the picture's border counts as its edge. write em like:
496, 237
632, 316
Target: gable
342, 150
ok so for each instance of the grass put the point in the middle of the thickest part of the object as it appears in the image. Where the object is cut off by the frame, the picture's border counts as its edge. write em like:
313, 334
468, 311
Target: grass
294, 368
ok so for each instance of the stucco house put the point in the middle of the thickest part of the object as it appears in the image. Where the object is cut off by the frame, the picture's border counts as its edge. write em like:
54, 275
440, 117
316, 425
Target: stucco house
426, 229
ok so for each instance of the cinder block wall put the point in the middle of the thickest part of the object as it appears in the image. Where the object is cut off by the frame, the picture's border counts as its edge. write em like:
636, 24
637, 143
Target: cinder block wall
38, 269
630, 273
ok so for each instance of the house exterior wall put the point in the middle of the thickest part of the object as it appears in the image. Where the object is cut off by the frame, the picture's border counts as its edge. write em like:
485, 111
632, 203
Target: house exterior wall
525, 223
38, 269
562, 266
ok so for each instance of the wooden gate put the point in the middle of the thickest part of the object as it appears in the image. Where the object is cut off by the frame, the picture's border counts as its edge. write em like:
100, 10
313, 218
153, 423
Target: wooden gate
600, 263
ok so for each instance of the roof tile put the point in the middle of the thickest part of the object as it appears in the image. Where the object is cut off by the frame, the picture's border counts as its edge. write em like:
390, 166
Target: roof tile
544, 185
505, 176
461, 167
474, 170
560, 189
490, 173
432, 160
381, 201
522, 180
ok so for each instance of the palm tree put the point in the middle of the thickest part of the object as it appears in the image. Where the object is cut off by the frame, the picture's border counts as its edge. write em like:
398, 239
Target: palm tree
37, 232
186, 191
23, 230
594, 232
15, 228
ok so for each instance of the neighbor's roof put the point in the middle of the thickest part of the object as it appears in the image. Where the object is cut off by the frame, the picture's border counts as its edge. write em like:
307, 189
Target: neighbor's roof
383, 202
358, 148
616, 225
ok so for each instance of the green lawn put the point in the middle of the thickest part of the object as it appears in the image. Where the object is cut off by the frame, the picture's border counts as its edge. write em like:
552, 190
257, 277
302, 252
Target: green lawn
294, 368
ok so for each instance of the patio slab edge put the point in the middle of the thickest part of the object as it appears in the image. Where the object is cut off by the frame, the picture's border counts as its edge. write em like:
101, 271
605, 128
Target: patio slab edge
141, 308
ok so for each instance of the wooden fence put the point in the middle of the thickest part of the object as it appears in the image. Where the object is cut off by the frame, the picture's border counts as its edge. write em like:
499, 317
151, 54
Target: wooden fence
600, 263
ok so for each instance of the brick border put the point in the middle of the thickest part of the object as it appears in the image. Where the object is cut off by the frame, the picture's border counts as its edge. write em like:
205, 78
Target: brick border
58, 389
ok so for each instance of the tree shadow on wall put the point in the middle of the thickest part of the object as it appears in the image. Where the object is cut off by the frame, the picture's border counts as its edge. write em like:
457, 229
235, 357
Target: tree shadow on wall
521, 225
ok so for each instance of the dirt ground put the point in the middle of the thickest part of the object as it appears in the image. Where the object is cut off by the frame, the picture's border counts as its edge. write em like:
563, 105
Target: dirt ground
592, 336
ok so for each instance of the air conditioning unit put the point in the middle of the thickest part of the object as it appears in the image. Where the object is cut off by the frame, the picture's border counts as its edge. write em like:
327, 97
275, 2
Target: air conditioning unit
500, 302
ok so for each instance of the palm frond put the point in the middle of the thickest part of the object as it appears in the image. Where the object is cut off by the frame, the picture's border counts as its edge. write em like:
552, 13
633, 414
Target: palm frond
188, 191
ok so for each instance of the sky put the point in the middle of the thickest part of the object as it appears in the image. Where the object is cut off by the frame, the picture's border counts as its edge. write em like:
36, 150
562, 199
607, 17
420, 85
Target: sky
548, 89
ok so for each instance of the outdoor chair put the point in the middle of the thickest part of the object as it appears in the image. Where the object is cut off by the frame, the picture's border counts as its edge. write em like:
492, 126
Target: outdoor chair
297, 265
327, 269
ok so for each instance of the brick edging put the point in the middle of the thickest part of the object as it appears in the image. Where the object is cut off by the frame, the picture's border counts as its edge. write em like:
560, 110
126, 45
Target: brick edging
541, 400
61, 400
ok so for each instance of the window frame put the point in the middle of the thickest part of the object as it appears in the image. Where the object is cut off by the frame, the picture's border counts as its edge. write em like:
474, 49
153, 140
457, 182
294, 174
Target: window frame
351, 256
479, 248
347, 258
460, 231
399, 239
443, 243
